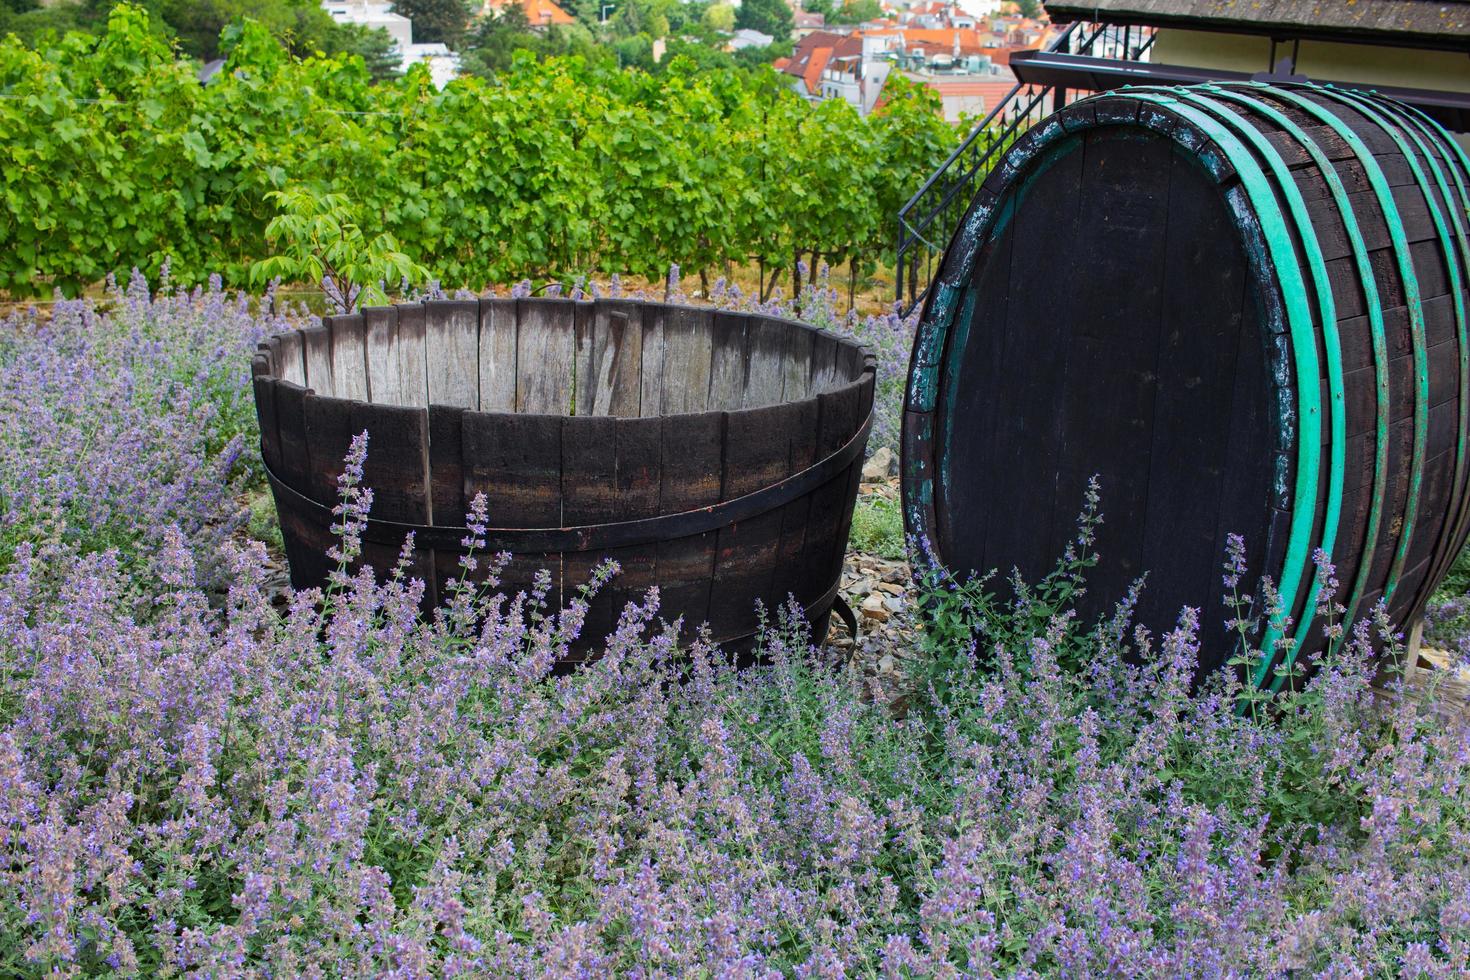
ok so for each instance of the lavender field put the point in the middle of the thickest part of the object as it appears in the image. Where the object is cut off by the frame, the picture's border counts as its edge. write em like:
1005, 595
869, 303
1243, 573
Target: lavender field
195, 780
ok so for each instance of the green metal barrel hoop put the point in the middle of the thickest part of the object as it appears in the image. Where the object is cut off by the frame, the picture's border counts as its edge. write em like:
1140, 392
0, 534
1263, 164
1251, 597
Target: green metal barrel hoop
1332, 345
1397, 237
1416, 329
1333, 341
1453, 529
1303, 346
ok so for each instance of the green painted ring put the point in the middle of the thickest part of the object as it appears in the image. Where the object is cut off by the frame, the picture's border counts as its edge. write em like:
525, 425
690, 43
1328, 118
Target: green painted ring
1416, 329
1460, 217
1303, 339
1333, 345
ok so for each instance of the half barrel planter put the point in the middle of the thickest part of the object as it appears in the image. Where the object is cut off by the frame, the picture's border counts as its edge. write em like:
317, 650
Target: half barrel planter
1243, 307
715, 455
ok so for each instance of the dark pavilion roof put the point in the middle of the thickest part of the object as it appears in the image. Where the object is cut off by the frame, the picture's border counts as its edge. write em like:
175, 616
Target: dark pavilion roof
1443, 24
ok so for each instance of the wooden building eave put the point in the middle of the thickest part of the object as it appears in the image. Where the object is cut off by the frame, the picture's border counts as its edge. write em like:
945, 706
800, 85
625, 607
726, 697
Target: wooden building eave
1442, 25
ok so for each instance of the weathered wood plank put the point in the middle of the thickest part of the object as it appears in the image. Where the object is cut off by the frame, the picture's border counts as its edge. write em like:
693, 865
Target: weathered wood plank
515, 460
328, 438
617, 358
290, 358
691, 459
452, 347
265, 414
639, 482
728, 361
396, 468
589, 456
413, 370
497, 355
796, 364
687, 360
840, 416
385, 385
448, 498
317, 354
545, 349
824, 363
791, 576
756, 456
349, 357
764, 379
654, 352
295, 460
584, 384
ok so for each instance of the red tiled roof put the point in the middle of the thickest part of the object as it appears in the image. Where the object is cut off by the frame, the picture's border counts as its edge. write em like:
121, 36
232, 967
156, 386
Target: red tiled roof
811, 55
538, 12
990, 93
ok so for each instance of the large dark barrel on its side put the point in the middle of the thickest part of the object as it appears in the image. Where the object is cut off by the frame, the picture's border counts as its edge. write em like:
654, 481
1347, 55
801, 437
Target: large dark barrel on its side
713, 454
1243, 307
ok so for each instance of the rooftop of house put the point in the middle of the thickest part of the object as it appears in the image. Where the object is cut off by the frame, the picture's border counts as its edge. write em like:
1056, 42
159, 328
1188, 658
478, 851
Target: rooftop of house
539, 13
1441, 24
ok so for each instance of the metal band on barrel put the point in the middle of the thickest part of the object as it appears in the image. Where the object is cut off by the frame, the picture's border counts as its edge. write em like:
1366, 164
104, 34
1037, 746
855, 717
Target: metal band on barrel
598, 537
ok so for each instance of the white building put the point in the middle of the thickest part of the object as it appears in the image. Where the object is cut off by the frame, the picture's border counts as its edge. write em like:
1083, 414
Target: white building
749, 38
443, 64
857, 76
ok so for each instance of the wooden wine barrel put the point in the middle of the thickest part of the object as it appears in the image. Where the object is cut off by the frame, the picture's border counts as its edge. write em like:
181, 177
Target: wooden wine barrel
1241, 306
715, 455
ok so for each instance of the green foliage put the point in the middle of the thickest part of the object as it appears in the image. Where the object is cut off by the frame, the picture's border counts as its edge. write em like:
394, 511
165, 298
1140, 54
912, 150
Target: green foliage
492, 47
193, 26
965, 619
720, 17
977, 635
116, 157
824, 7
771, 17
375, 46
302, 24
321, 240
264, 525
857, 12
877, 528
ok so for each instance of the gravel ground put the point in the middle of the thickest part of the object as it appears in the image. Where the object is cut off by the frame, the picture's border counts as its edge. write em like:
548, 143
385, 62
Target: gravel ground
880, 592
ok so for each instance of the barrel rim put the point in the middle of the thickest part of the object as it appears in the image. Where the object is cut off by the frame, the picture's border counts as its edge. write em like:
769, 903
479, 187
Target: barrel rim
867, 359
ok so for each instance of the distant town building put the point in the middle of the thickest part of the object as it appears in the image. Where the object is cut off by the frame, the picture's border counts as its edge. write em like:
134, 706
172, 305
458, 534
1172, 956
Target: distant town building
442, 63
804, 23
748, 38
964, 59
540, 14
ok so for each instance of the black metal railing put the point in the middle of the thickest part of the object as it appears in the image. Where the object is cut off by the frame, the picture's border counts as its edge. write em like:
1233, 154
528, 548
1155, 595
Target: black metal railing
929, 219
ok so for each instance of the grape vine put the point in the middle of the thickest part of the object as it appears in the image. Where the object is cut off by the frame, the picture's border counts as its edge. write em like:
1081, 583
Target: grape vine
116, 156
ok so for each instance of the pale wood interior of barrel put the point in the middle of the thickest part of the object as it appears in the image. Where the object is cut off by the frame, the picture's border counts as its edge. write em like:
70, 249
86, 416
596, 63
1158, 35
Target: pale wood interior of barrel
559, 357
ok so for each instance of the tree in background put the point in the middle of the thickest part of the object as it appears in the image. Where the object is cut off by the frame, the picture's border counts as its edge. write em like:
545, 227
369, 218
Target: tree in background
302, 24
374, 45
856, 12
720, 17
824, 7
771, 17
1028, 8
436, 20
195, 26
